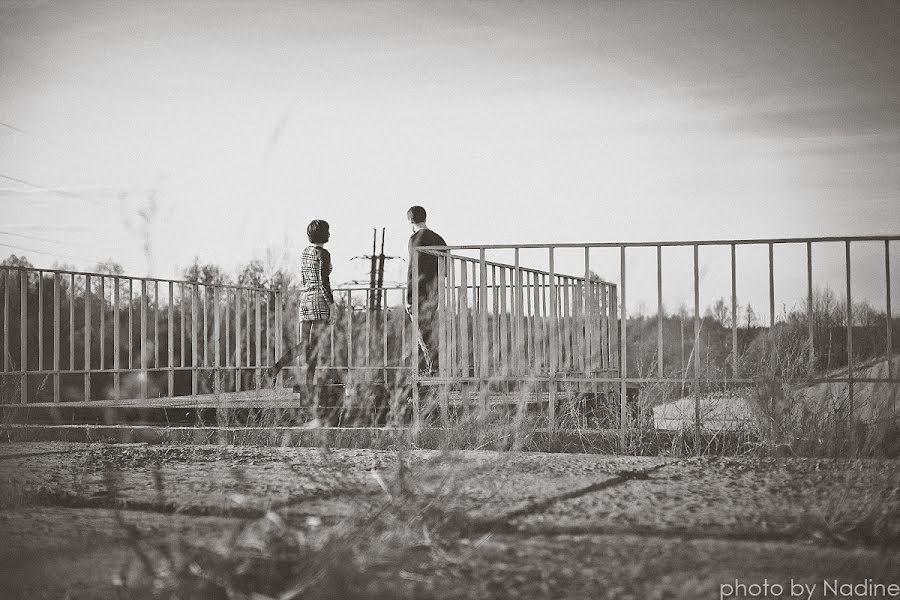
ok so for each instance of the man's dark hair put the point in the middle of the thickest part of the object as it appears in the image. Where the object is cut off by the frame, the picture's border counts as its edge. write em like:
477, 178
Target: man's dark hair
317, 231
416, 214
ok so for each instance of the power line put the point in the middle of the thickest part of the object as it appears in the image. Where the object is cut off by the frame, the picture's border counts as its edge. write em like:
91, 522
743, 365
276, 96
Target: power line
50, 190
70, 257
39, 239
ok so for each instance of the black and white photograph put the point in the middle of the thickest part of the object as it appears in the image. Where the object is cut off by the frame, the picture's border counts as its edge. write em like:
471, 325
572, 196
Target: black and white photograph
449, 299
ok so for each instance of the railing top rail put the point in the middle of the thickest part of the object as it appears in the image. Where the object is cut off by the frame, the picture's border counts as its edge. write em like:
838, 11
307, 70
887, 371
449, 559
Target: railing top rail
439, 252
738, 242
126, 276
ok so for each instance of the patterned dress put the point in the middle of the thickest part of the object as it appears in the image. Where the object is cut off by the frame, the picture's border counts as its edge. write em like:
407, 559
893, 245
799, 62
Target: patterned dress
315, 286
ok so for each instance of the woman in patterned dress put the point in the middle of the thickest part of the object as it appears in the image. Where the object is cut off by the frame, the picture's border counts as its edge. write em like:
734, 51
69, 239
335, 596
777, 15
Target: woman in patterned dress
317, 310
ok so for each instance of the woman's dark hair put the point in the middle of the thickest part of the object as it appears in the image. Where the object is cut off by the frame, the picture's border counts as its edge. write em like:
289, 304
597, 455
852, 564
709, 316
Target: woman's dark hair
416, 214
317, 231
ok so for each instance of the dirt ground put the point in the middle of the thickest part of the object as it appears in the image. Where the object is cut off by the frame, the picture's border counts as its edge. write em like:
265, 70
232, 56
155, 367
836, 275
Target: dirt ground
135, 520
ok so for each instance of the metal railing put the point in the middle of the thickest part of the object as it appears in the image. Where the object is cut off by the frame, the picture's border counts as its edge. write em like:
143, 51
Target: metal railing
81, 336
565, 353
131, 337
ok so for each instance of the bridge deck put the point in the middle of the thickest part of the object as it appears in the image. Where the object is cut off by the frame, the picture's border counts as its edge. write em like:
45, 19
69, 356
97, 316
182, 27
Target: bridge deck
266, 398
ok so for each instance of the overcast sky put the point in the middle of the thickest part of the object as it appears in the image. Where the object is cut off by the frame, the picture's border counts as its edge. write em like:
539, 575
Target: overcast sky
219, 129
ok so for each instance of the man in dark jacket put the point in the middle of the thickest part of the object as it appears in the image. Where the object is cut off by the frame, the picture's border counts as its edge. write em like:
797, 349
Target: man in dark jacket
426, 281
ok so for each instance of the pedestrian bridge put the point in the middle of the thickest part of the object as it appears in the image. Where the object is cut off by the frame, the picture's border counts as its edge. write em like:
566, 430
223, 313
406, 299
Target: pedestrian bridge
529, 325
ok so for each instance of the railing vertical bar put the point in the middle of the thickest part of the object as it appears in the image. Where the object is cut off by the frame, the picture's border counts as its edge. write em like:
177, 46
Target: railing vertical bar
452, 317
384, 335
609, 326
565, 329
226, 316
443, 340
237, 340
331, 327
72, 321
217, 332
130, 323
350, 331
578, 323
6, 354
56, 328
888, 342
623, 351
205, 308
519, 354
463, 321
102, 322
771, 287
369, 300
145, 358
117, 324
40, 321
181, 333
23, 334
696, 350
170, 329
155, 324
476, 321
735, 357
495, 324
659, 312
247, 347
257, 334
588, 314
416, 336
554, 341
404, 355
87, 337
277, 330
484, 334
195, 363
809, 309
537, 292
849, 318
503, 350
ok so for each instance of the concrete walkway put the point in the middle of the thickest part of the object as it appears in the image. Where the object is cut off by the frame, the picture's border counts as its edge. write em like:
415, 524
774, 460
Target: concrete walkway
457, 525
